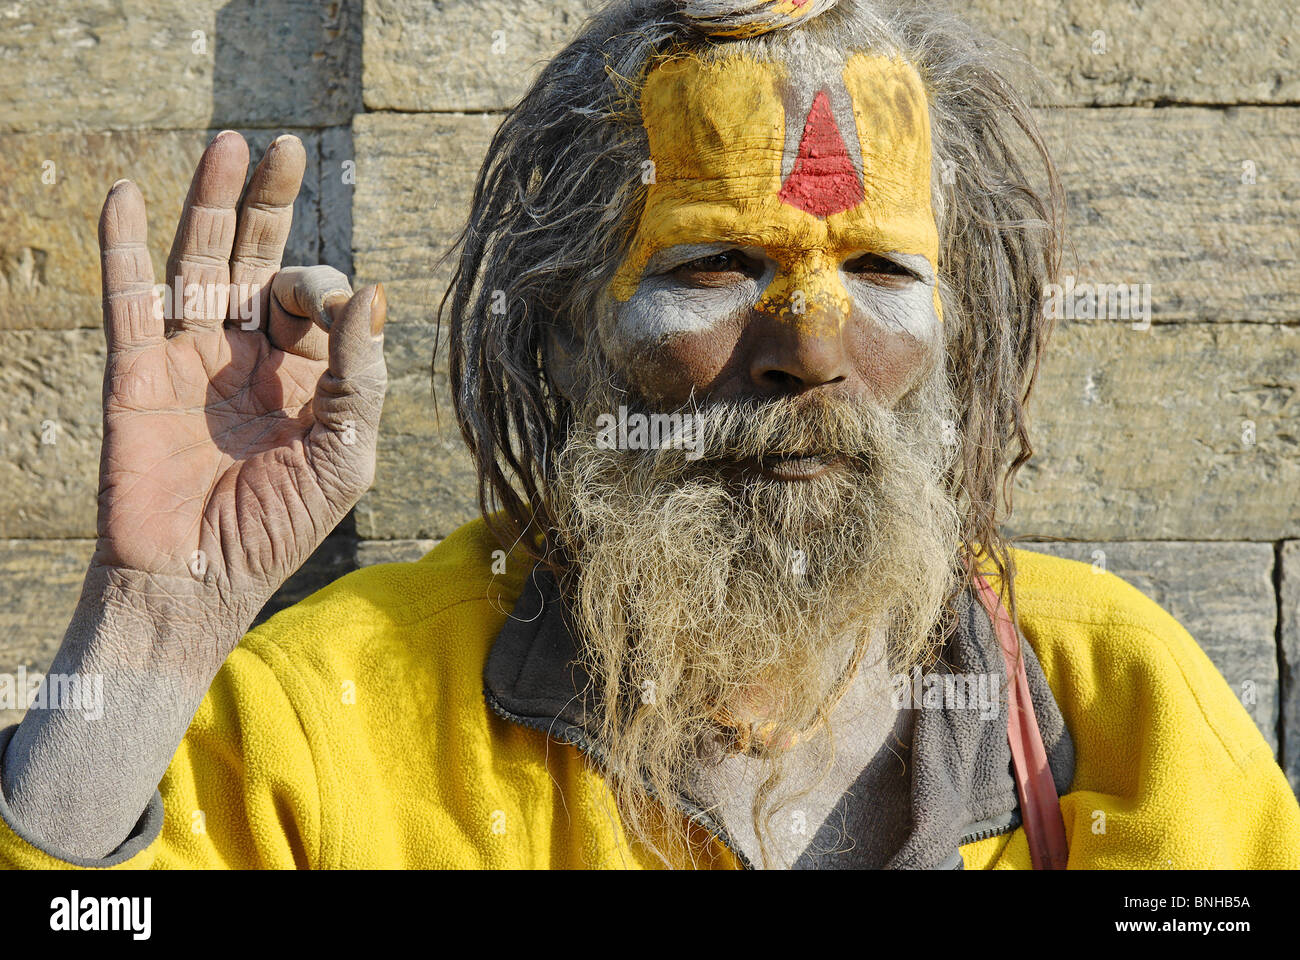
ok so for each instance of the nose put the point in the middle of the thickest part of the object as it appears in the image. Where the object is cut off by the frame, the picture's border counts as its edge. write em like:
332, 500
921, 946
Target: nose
791, 358
798, 331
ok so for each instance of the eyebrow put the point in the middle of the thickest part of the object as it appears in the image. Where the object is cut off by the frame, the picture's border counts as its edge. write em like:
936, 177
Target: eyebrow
680, 253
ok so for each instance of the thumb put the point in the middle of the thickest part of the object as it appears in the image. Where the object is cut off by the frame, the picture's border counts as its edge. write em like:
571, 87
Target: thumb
350, 397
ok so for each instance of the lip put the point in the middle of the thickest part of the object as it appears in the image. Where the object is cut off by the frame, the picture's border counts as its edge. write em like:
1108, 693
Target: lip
806, 466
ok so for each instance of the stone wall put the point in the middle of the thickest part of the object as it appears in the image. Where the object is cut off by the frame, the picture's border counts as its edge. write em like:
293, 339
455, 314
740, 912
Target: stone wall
1168, 452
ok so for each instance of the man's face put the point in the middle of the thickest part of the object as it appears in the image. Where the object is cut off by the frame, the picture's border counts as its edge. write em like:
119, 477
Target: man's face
788, 244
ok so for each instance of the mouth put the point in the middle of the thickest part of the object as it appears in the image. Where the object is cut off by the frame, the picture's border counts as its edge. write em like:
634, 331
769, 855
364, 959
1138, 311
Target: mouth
795, 466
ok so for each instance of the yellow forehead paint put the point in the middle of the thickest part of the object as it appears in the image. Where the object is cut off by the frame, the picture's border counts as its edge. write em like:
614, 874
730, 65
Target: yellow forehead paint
717, 132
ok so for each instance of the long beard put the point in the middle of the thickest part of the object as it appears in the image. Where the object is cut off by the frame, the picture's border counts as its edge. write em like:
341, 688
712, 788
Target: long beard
716, 613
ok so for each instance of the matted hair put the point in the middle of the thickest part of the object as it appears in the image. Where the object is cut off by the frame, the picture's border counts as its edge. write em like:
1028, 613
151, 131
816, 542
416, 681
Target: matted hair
560, 194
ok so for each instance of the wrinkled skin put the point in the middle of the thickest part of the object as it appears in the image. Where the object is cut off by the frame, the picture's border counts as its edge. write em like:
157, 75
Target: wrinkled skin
231, 448
222, 440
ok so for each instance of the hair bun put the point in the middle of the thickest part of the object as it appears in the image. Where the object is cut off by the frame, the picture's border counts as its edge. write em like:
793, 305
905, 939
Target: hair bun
749, 18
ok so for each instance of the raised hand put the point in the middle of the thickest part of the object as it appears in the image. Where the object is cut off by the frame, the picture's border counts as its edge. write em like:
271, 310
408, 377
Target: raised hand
241, 411
237, 431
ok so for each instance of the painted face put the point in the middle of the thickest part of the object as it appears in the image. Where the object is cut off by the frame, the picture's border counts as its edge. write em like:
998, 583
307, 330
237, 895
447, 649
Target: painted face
788, 241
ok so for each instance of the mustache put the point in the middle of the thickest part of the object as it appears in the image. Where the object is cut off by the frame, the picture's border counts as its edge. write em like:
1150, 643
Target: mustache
730, 431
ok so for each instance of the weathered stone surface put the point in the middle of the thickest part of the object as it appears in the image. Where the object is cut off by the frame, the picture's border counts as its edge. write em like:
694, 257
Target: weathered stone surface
461, 54
392, 551
1177, 432
415, 177
166, 64
40, 581
50, 432
1186, 51
1156, 198
1222, 593
425, 484
482, 54
1202, 205
49, 246
1290, 662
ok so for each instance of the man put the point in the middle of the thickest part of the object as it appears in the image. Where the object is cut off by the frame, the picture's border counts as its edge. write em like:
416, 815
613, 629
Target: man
747, 311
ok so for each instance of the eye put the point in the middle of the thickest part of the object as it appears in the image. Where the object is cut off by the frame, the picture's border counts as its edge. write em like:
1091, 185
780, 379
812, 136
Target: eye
881, 270
718, 269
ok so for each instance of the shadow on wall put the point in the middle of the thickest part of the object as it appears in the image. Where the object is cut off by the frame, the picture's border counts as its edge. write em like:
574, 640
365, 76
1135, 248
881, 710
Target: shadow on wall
297, 62
295, 66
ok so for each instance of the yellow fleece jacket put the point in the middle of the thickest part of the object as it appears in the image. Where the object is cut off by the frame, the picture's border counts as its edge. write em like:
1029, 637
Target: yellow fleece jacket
351, 731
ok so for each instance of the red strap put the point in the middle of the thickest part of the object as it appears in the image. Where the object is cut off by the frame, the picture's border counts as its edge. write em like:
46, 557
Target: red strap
1040, 806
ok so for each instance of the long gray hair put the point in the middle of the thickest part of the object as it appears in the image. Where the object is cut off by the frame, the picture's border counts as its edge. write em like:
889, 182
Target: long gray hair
560, 194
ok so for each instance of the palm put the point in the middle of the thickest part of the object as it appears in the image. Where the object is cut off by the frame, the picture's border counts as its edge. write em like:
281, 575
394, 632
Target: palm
188, 424
228, 452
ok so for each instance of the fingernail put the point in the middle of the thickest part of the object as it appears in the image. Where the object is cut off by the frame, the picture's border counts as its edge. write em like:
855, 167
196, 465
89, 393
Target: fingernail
334, 303
378, 311
282, 137
118, 183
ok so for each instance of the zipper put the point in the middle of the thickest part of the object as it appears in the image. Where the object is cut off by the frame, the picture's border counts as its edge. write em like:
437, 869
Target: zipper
569, 733
991, 827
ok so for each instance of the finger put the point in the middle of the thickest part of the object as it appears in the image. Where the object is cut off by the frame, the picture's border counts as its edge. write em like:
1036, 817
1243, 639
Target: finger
132, 316
265, 218
357, 336
198, 269
349, 399
302, 303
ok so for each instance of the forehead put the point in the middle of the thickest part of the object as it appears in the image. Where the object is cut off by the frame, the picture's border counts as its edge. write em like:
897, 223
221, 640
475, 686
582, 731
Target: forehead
834, 157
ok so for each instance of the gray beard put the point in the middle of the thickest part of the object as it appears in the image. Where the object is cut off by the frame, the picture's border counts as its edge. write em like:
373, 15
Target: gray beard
709, 610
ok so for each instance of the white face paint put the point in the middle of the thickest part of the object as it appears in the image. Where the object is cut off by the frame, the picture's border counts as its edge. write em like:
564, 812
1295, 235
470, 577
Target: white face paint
908, 307
665, 305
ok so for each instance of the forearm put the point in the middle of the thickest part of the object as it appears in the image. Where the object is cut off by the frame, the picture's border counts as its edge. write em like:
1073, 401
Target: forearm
116, 703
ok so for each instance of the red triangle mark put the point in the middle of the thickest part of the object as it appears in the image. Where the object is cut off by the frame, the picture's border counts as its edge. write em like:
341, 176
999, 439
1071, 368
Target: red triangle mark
823, 180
